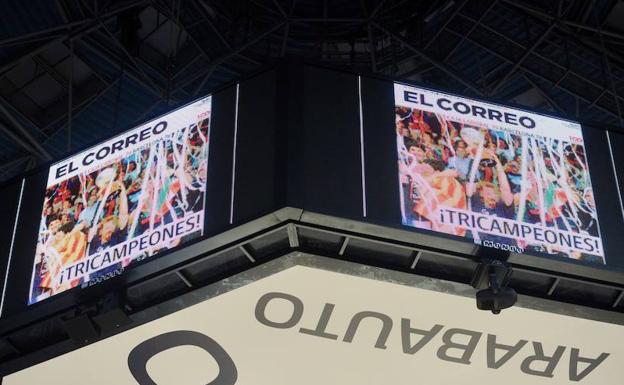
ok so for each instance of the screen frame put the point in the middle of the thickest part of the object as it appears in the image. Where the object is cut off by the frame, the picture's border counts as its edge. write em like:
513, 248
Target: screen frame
53, 180
454, 244
469, 100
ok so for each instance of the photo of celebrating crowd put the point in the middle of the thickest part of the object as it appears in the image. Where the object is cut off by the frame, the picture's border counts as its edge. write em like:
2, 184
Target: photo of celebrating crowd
92, 222
500, 187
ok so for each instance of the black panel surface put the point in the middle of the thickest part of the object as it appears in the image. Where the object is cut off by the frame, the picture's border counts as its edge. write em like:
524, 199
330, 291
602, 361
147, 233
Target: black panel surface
289, 103
332, 167
218, 189
606, 194
254, 191
25, 243
382, 187
9, 196
617, 148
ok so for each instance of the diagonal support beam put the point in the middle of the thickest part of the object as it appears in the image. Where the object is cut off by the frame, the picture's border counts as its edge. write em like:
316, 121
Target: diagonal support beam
111, 56
471, 30
544, 94
377, 8
443, 28
6, 168
540, 76
58, 77
89, 26
446, 22
279, 8
545, 16
221, 59
518, 62
77, 109
22, 143
21, 39
528, 70
441, 66
41, 152
567, 27
203, 53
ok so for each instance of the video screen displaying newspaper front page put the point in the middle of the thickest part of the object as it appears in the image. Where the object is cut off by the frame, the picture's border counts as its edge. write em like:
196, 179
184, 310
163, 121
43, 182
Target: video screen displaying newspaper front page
124, 200
503, 177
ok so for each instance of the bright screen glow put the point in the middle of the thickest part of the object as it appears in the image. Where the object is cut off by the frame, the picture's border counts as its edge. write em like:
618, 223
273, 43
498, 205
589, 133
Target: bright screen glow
124, 200
503, 177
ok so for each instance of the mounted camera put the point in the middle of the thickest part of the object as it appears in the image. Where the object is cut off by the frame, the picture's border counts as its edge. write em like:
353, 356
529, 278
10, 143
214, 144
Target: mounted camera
492, 277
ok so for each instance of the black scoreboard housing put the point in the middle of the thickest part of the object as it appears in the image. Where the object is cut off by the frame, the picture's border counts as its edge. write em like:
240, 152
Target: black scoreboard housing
305, 136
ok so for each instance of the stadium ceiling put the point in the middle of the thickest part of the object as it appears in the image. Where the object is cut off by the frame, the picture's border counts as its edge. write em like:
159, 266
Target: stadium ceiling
75, 71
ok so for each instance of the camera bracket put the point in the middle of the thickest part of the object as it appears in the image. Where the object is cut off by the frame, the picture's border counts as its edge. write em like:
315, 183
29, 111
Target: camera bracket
490, 273
492, 277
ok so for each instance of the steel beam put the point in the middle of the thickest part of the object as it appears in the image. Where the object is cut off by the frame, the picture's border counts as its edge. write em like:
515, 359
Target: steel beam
247, 252
377, 9
44, 32
203, 53
566, 28
541, 14
87, 26
107, 54
472, 28
441, 66
280, 8
329, 20
530, 50
518, 62
19, 141
221, 59
214, 29
537, 54
50, 70
42, 152
544, 94
611, 81
417, 254
446, 23
5, 168
521, 46
597, 98
529, 71
78, 108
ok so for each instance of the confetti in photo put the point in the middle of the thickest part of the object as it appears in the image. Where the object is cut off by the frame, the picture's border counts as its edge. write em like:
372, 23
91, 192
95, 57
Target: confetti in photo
133, 196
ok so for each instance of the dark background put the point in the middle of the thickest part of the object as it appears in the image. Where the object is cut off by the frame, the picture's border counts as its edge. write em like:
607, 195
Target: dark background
9, 196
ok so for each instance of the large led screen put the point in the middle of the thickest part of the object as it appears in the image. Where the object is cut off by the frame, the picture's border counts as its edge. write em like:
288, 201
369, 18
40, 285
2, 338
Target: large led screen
121, 201
502, 177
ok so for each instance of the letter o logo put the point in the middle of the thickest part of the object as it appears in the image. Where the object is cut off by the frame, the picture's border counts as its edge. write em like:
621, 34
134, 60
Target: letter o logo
102, 153
261, 306
462, 108
527, 122
159, 127
140, 355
